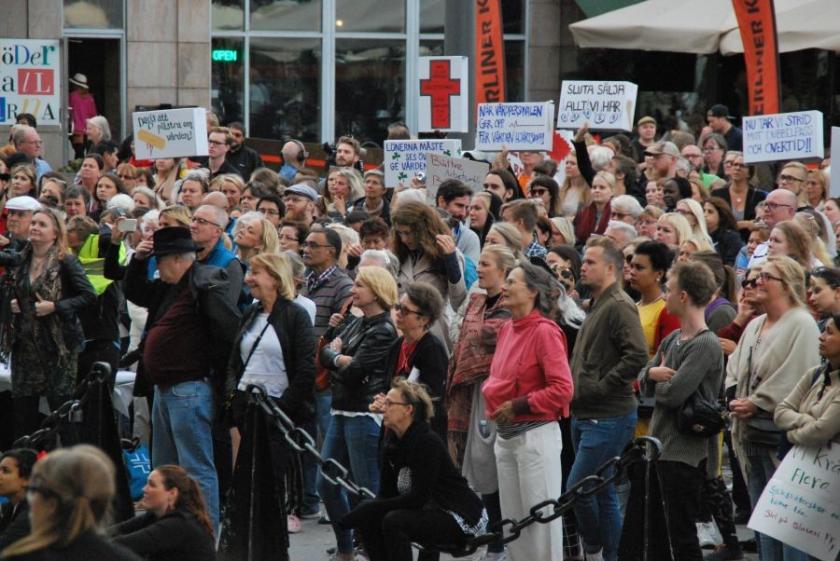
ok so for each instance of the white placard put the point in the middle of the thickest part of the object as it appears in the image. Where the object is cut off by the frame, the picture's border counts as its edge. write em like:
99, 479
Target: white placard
30, 70
800, 505
515, 126
444, 93
439, 168
834, 190
172, 133
605, 105
406, 158
783, 136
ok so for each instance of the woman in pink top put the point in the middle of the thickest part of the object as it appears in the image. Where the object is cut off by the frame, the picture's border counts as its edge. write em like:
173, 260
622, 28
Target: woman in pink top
82, 107
529, 389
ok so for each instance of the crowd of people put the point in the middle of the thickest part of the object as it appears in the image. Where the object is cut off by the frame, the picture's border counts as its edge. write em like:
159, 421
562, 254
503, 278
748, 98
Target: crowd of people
465, 356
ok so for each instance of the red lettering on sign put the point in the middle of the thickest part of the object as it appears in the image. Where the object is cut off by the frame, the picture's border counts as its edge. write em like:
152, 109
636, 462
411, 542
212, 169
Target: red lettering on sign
440, 86
35, 81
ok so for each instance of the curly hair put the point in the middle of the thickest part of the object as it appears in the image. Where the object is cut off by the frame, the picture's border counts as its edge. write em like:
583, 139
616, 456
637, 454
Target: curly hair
425, 224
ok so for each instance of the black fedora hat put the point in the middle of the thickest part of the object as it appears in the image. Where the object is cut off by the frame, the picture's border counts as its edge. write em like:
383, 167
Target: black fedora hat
173, 240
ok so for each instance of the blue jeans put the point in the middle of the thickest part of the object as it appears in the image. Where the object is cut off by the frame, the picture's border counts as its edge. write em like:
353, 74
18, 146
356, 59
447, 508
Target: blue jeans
318, 425
182, 434
760, 468
599, 516
354, 443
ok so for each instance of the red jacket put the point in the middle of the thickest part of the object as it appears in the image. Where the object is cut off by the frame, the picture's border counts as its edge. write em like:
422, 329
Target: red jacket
530, 368
585, 224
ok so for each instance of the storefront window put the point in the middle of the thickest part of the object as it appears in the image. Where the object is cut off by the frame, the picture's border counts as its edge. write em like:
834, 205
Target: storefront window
286, 15
227, 15
370, 87
432, 15
513, 16
386, 16
431, 47
514, 70
284, 96
93, 14
227, 59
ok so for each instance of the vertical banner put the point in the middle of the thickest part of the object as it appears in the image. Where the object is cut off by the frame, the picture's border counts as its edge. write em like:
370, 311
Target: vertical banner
489, 53
757, 24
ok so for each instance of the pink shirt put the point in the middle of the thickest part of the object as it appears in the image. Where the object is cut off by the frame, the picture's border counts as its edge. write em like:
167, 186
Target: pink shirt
83, 109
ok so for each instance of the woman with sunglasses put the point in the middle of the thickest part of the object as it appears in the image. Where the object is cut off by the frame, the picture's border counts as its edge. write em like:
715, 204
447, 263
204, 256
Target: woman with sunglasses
546, 189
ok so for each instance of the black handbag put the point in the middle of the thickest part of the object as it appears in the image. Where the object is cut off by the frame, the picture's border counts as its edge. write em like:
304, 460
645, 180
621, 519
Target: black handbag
700, 417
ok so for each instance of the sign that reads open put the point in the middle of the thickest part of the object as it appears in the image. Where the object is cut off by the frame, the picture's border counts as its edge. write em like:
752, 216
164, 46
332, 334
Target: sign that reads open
604, 105
783, 136
173, 133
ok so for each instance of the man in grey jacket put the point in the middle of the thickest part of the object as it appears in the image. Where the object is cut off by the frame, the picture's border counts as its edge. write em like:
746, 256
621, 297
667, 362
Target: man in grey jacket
609, 353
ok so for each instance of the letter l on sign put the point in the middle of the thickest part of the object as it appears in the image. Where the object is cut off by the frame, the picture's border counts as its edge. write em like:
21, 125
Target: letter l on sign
440, 86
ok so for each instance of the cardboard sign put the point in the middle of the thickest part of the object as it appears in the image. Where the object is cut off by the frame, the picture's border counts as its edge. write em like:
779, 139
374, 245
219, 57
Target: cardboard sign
604, 105
783, 136
444, 93
173, 133
29, 80
834, 190
404, 159
439, 168
800, 505
515, 126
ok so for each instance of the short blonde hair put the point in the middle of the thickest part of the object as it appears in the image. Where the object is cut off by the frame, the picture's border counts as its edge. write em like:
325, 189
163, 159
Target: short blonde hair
565, 227
381, 282
178, 213
280, 269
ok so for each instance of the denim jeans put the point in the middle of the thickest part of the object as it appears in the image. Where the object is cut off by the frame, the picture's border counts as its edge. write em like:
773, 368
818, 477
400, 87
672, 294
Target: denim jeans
316, 426
599, 516
182, 434
760, 468
354, 443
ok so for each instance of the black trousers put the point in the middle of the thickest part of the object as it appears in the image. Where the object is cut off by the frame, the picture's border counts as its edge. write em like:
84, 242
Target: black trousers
28, 416
389, 537
671, 533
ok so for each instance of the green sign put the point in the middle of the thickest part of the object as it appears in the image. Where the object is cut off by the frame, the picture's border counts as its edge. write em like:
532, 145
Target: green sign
224, 55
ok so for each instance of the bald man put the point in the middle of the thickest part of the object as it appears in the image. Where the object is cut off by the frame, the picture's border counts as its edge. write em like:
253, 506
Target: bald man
780, 205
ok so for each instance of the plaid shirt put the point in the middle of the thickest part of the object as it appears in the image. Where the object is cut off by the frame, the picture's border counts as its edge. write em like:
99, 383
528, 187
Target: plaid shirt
313, 280
534, 249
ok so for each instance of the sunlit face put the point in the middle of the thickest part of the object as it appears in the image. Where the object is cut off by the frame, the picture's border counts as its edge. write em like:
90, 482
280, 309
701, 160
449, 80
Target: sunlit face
249, 234
601, 191
495, 185
191, 193
666, 233
777, 244
338, 186
261, 283
571, 167
374, 188
490, 276
515, 291
106, 189
232, 193
654, 194
42, 229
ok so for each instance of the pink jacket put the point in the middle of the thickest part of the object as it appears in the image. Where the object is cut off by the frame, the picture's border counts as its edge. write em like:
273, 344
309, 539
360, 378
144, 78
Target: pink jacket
531, 369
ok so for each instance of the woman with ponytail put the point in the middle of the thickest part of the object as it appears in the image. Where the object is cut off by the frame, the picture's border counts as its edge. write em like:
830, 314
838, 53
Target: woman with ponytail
176, 525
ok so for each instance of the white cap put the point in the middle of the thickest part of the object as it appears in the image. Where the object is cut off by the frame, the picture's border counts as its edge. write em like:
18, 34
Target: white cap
24, 202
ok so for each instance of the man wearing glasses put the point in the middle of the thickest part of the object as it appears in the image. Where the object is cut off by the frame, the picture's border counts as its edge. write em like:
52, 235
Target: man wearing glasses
208, 224
780, 205
27, 140
219, 141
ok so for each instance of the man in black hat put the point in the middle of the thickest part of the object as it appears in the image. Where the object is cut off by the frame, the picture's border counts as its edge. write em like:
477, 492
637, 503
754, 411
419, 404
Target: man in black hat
718, 118
193, 320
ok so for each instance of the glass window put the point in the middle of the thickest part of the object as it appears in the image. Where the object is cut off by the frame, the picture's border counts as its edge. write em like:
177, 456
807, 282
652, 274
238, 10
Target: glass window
431, 47
227, 77
370, 87
514, 70
285, 93
513, 16
432, 15
93, 14
370, 15
286, 15
228, 15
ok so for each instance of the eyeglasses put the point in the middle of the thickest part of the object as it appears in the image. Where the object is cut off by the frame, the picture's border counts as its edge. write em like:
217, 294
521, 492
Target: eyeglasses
768, 277
388, 403
216, 142
538, 192
619, 215
789, 178
203, 222
711, 149
773, 206
269, 211
406, 310
749, 283
313, 245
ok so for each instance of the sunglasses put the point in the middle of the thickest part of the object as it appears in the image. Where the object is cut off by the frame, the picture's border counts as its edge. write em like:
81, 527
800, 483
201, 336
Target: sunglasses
749, 283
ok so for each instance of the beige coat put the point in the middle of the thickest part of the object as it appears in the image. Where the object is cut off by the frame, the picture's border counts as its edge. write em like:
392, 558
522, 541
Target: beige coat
811, 420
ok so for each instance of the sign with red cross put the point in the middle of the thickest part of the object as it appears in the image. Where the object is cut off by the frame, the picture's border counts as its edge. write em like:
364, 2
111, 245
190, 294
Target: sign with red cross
444, 99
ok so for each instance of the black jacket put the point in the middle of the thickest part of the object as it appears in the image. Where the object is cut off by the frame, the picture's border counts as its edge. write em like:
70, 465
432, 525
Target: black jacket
14, 523
178, 536
101, 322
87, 547
293, 327
367, 340
245, 161
754, 196
727, 243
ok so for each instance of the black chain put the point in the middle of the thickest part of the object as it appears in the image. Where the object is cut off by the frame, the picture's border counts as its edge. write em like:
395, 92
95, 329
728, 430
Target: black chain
642, 449
99, 374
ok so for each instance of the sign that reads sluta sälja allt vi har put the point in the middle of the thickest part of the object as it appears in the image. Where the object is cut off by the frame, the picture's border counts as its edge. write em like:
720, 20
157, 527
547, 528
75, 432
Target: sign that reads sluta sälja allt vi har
800, 505
172, 133
514, 126
29, 80
783, 136
405, 159
603, 105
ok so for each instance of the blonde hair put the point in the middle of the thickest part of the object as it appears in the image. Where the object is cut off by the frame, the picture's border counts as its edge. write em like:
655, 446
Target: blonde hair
696, 209
606, 176
178, 213
354, 180
269, 240
565, 227
81, 481
792, 275
381, 282
585, 194
511, 236
814, 229
62, 247
652, 211
232, 178
798, 242
679, 223
278, 266
505, 259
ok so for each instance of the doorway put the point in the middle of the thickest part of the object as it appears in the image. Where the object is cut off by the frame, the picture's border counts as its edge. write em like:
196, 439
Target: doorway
99, 59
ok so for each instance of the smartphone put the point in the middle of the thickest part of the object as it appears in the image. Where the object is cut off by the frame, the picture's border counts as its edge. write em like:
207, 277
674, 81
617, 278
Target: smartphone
127, 225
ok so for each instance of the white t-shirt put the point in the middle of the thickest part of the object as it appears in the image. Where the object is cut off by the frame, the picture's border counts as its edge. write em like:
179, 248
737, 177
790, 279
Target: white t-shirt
307, 305
266, 366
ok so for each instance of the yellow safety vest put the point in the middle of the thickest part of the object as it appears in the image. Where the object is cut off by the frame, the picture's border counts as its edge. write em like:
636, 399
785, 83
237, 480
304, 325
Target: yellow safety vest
94, 265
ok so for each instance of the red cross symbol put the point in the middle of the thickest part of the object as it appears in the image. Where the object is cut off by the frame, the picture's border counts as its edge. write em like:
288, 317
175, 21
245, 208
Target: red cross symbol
440, 86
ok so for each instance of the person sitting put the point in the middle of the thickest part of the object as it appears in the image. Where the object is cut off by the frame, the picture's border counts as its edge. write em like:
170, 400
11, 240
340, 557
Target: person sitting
176, 525
15, 471
422, 496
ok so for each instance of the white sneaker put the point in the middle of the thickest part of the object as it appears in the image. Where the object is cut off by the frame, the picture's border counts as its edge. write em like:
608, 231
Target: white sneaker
597, 556
708, 534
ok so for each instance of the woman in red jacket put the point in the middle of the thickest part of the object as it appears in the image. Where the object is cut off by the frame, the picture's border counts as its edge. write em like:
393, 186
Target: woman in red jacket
593, 219
529, 389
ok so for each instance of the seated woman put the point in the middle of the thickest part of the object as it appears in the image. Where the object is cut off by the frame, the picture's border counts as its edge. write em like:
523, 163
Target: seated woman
15, 471
176, 524
422, 497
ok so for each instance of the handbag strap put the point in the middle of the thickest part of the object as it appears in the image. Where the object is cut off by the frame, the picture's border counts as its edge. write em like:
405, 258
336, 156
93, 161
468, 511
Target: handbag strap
254, 346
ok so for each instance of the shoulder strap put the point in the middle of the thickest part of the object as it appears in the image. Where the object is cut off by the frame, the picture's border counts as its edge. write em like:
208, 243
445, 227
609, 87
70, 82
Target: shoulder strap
254, 346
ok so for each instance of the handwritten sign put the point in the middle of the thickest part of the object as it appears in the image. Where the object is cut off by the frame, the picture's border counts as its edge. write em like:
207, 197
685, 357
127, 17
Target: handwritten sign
783, 136
835, 160
444, 93
439, 168
604, 105
29, 80
515, 126
404, 159
173, 133
800, 505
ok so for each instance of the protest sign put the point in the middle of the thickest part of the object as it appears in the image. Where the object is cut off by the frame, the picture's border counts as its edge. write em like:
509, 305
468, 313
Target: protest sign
29, 80
439, 168
515, 126
834, 190
783, 136
173, 133
404, 159
800, 505
604, 105
444, 93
